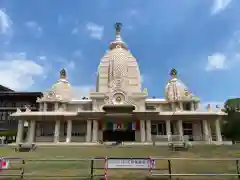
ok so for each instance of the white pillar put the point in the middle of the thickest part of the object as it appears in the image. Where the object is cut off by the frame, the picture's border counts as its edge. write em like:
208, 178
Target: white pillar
44, 106
207, 136
192, 106
89, 131
218, 130
181, 105
31, 129
142, 130
168, 128
180, 129
56, 106
95, 131
20, 131
148, 127
64, 106
57, 131
69, 131
40, 106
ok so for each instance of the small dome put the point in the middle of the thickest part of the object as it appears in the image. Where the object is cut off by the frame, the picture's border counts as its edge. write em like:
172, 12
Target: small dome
176, 90
62, 89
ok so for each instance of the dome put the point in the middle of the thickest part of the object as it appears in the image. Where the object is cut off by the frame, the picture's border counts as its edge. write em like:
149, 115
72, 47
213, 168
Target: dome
62, 89
176, 90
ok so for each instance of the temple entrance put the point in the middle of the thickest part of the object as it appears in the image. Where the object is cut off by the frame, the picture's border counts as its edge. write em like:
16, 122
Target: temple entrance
119, 135
119, 125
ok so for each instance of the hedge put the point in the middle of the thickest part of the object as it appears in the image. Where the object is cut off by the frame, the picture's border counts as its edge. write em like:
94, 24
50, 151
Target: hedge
8, 133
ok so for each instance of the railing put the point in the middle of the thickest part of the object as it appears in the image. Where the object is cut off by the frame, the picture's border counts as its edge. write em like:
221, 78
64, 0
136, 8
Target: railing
12, 167
225, 163
110, 167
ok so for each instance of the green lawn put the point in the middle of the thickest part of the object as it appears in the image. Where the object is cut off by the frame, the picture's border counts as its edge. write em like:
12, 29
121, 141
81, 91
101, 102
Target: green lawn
82, 168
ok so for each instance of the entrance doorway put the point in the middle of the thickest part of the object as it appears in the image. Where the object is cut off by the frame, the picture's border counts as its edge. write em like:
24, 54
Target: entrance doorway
188, 130
119, 135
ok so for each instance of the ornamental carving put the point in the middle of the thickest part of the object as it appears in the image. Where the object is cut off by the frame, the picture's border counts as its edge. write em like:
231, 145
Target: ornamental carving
49, 96
27, 108
119, 98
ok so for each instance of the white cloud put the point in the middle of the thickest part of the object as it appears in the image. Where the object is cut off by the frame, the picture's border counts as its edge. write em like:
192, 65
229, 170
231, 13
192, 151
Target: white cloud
216, 61
42, 58
95, 31
219, 5
227, 58
5, 23
35, 28
17, 72
82, 91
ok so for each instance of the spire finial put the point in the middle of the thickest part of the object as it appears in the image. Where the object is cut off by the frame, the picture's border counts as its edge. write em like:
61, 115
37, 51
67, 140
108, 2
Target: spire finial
173, 73
63, 74
118, 26
118, 42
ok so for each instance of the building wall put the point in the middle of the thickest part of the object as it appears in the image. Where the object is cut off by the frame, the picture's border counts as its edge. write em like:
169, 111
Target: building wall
10, 101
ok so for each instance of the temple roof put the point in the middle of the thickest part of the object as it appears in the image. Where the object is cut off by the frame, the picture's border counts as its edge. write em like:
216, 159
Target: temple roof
61, 90
176, 90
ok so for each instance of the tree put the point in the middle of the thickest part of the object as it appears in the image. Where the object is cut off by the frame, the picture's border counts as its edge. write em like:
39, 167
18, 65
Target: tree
231, 124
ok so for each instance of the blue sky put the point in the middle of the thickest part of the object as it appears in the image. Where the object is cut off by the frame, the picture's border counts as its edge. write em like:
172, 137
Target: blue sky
200, 38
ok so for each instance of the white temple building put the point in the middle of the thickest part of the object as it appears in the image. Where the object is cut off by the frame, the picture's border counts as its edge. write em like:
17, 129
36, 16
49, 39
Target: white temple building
119, 109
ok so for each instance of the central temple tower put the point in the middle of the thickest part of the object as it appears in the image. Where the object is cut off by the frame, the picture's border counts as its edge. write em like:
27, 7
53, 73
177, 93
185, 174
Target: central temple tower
118, 76
118, 69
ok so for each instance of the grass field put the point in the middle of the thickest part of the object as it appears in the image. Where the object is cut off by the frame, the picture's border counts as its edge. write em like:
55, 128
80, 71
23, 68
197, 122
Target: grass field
46, 167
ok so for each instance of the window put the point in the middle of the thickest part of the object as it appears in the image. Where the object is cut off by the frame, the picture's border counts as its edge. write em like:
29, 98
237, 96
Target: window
41, 131
150, 108
20, 104
188, 128
50, 107
187, 106
78, 134
4, 103
8, 116
158, 129
65, 128
2, 116
166, 107
154, 129
9, 104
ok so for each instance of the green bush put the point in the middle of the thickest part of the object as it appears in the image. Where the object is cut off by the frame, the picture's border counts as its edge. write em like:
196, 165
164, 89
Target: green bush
9, 133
